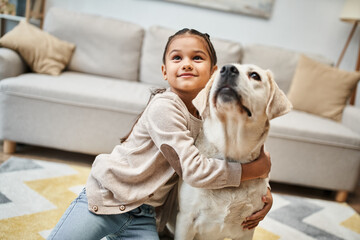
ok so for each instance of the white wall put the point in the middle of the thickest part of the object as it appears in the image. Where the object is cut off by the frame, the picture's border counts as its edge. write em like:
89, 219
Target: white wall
311, 26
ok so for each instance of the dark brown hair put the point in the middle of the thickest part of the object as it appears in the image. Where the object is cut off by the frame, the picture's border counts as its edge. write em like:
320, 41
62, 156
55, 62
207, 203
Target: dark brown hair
183, 31
204, 36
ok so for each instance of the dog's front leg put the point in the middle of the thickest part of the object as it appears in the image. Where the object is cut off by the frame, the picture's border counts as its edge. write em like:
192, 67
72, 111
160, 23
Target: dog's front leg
185, 229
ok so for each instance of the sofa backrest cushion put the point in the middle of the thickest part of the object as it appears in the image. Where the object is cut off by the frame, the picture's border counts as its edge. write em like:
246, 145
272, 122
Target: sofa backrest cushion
281, 62
104, 46
154, 45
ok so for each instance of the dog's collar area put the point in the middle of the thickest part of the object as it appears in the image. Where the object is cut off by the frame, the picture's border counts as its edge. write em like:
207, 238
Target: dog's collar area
230, 160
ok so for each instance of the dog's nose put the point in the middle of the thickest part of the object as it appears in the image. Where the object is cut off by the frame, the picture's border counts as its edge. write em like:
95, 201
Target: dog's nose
229, 70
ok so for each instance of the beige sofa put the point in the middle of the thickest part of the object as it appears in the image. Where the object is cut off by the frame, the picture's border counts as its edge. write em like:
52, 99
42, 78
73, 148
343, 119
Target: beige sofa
95, 101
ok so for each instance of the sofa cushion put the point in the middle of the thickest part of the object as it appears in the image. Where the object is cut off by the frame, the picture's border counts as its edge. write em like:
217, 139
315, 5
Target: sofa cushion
351, 118
320, 89
42, 52
11, 63
104, 46
281, 62
154, 44
305, 127
80, 89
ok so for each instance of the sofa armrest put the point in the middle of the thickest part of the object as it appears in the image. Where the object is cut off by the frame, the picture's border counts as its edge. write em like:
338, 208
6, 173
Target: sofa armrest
351, 118
11, 64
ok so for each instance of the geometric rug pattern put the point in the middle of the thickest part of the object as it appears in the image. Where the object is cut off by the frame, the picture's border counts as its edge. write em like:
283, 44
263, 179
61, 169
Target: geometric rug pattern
294, 217
34, 194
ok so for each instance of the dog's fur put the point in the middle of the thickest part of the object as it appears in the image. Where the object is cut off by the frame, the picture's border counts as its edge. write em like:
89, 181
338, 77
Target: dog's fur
236, 106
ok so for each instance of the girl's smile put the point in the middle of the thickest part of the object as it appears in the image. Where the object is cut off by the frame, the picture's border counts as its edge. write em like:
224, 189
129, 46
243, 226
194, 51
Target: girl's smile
187, 75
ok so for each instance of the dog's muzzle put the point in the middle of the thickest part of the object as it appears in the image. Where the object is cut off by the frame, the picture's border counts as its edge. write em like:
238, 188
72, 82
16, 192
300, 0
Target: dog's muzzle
226, 89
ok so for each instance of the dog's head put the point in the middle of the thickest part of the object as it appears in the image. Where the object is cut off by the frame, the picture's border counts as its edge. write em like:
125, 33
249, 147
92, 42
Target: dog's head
247, 88
240, 100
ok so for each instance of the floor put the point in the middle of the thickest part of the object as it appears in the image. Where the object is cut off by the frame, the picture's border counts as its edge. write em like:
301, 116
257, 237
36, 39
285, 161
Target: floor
86, 160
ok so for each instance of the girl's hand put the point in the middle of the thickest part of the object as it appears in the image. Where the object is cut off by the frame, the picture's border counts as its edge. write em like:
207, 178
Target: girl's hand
265, 161
259, 168
252, 221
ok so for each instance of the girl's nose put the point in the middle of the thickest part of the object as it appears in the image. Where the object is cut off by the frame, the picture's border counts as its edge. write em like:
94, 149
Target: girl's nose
187, 67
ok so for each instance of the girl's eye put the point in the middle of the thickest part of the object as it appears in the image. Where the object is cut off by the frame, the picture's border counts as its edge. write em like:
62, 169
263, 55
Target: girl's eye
255, 76
176, 58
198, 58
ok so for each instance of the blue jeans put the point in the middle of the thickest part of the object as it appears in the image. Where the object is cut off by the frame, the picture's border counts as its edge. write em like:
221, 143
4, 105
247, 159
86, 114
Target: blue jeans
79, 223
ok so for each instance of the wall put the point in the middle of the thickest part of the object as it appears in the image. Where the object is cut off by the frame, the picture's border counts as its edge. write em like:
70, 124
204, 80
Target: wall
301, 25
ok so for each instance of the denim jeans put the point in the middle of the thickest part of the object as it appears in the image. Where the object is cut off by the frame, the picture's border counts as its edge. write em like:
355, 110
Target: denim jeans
79, 223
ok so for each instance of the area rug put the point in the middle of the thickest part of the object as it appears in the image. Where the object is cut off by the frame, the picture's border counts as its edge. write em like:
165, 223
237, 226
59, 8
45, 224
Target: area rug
34, 194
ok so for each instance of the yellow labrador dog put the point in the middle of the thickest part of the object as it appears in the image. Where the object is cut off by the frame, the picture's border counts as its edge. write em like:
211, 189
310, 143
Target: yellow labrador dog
236, 106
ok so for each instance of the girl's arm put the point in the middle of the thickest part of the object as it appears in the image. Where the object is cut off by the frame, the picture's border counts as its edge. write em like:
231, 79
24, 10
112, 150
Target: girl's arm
166, 123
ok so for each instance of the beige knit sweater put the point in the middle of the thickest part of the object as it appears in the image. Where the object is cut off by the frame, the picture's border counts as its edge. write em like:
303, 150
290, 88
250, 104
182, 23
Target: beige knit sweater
145, 167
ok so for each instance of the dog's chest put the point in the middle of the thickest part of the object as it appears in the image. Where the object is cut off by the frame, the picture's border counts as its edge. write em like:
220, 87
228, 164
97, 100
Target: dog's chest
221, 212
232, 205
217, 214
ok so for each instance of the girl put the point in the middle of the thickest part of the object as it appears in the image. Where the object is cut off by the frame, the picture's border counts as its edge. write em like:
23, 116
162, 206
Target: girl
126, 186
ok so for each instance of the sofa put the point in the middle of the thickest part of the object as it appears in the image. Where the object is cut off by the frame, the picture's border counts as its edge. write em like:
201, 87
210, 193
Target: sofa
106, 85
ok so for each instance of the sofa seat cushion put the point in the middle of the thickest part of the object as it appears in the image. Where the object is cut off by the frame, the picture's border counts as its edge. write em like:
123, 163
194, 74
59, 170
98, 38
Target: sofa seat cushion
81, 90
306, 127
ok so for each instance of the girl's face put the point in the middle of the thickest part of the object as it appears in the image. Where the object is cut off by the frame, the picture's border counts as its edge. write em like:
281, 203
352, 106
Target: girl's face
187, 64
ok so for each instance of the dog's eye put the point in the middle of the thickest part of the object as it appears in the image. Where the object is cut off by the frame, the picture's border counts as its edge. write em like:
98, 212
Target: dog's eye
255, 76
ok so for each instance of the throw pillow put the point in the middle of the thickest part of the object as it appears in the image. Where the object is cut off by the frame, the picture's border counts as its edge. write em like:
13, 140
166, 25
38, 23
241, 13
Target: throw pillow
43, 52
320, 89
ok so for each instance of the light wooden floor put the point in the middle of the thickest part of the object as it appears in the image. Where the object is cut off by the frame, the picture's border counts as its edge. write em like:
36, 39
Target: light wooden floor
86, 160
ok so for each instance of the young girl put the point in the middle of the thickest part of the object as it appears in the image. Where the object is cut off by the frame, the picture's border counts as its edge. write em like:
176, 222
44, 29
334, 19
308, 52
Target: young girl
126, 186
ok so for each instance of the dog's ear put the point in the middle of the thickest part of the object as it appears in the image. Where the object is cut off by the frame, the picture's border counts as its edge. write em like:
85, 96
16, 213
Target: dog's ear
278, 103
200, 102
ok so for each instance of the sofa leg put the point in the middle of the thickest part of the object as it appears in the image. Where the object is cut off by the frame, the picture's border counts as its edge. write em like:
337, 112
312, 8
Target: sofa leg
341, 196
9, 147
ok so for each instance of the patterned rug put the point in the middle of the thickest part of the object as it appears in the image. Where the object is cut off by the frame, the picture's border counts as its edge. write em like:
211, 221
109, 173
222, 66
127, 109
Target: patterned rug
34, 194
